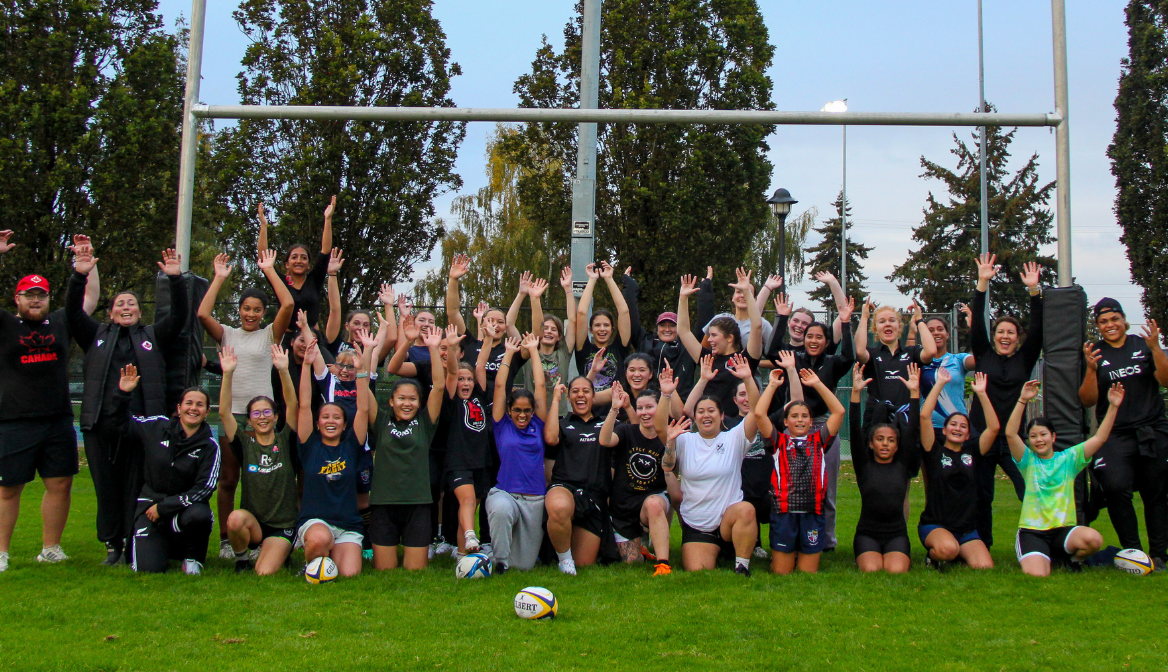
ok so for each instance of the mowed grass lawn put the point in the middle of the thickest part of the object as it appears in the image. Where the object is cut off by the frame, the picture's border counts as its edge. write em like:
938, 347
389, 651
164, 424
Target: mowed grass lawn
79, 616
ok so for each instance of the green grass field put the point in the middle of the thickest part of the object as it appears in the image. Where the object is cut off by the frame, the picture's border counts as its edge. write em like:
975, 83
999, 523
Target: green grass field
81, 616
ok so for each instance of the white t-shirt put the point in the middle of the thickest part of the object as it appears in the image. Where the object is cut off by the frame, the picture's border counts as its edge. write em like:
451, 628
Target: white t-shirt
253, 374
711, 476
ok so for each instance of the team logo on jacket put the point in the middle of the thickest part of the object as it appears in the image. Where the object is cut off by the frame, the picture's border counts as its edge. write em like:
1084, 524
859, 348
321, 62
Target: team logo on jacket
946, 461
967, 460
475, 419
39, 348
812, 536
147, 345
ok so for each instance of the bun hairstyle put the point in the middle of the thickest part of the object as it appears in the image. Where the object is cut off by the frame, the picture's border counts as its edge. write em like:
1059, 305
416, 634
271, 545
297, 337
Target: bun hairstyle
716, 400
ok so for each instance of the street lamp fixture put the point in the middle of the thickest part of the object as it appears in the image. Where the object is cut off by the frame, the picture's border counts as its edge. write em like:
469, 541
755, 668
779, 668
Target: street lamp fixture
780, 203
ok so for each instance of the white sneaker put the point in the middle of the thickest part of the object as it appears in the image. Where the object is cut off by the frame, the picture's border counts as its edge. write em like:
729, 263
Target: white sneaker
194, 567
430, 551
761, 553
52, 554
472, 541
225, 550
4, 562
445, 549
253, 554
568, 567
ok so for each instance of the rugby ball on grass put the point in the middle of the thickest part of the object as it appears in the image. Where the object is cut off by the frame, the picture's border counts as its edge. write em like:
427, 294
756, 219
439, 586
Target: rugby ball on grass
473, 566
1134, 561
320, 570
536, 604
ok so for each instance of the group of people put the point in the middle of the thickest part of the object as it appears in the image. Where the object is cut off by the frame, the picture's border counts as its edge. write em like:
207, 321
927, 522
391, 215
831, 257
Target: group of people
487, 443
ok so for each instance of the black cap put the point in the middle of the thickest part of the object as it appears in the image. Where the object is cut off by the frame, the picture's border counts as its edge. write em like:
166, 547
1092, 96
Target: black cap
1107, 305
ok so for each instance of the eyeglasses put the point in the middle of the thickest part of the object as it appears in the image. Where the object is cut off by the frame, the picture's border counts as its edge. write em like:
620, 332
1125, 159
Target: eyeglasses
346, 367
522, 411
265, 413
34, 294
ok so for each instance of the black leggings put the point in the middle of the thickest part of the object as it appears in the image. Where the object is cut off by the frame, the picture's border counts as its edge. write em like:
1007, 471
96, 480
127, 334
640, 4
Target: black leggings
1121, 469
180, 537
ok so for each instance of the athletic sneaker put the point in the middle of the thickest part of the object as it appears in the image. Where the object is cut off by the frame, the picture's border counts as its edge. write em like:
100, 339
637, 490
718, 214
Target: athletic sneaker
52, 554
568, 567
649, 557
194, 567
1159, 564
241, 566
938, 565
254, 554
367, 554
743, 570
499, 568
662, 569
444, 548
4, 562
761, 553
113, 555
225, 550
472, 541
430, 551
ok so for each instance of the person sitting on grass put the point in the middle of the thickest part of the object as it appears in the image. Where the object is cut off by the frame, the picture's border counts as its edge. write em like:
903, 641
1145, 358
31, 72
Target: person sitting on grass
265, 521
799, 481
948, 527
329, 522
180, 467
1047, 533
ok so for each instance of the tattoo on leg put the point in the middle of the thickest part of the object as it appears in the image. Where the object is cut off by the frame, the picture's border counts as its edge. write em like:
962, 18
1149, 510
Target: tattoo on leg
630, 551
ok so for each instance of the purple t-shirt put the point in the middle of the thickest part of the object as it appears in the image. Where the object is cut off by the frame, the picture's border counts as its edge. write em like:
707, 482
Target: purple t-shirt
520, 457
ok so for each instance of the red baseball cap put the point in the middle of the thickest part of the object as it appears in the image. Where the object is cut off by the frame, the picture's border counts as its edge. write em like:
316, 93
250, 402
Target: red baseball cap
32, 282
667, 317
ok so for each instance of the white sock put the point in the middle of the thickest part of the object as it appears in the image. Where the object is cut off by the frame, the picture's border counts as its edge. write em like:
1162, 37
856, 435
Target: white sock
745, 562
242, 555
565, 556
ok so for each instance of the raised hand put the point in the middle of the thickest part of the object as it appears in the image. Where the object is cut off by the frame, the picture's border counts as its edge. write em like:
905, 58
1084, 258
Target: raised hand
335, 261
1152, 335
537, 287
743, 282
480, 310
986, 269
689, 285
824, 277
773, 282
459, 266
310, 353
228, 359
1030, 390
606, 270
782, 304
786, 359
366, 339
917, 313
858, 380
530, 342
629, 271
808, 378
677, 427
709, 272
409, 329
943, 376
913, 382
332, 207
512, 345
403, 305
171, 263
559, 391
846, 310
525, 282
1093, 356
968, 312
129, 379
869, 307
708, 373
432, 338
1030, 274
592, 271
83, 261
1115, 394
263, 215
279, 358
302, 321
222, 265
777, 378
5, 246
598, 361
980, 381
566, 278
738, 366
386, 295
666, 380
620, 398
267, 259
453, 338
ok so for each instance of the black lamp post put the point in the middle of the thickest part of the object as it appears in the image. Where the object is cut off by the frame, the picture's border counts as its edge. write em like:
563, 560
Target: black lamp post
781, 203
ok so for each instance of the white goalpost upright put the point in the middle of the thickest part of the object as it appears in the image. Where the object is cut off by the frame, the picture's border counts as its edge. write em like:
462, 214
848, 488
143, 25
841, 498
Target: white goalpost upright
588, 116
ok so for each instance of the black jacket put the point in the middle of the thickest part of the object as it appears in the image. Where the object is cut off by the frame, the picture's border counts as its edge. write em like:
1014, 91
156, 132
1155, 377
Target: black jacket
98, 340
1005, 374
673, 352
177, 470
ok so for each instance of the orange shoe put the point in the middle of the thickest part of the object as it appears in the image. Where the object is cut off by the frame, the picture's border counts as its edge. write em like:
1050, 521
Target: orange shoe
647, 555
662, 569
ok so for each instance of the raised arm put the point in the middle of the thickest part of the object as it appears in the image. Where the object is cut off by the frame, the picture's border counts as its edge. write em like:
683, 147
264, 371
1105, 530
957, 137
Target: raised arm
206, 312
738, 366
1152, 339
1114, 400
608, 437
754, 341
292, 406
433, 339
92, 287
631, 291
499, 398
1016, 443
978, 334
387, 329
930, 403
585, 305
305, 422
570, 303
406, 334
364, 398
267, 264
551, 428
1089, 389
762, 409
928, 344
1032, 346
332, 328
459, 266
513, 311
772, 283
993, 423
786, 361
692, 345
82, 327
481, 361
262, 243
228, 361
706, 374
624, 327
834, 407
169, 327
705, 301
326, 237
534, 294
668, 384
860, 339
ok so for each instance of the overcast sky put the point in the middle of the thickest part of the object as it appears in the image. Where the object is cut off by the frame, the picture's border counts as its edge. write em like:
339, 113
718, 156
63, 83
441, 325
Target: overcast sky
892, 56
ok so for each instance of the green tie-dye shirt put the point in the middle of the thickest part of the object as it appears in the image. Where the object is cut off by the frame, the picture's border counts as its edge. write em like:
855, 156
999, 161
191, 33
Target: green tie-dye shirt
1049, 502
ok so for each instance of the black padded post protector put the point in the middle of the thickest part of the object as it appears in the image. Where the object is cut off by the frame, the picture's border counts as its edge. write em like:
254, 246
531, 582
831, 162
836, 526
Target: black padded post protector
1064, 331
184, 358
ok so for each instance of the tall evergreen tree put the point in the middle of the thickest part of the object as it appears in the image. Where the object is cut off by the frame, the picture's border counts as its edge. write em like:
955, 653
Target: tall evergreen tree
90, 105
825, 256
385, 175
670, 198
942, 270
1138, 152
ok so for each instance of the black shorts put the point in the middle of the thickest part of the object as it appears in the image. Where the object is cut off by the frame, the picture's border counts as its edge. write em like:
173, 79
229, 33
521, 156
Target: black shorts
1050, 544
591, 509
479, 478
692, 535
45, 446
865, 544
626, 521
365, 472
288, 534
400, 524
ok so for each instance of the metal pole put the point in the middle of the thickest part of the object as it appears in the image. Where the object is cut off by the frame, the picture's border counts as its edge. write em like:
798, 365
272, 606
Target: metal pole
584, 186
190, 135
985, 206
783, 249
844, 220
1062, 143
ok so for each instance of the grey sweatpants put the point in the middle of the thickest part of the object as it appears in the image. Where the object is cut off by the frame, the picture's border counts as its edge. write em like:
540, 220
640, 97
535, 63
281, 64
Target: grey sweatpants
516, 527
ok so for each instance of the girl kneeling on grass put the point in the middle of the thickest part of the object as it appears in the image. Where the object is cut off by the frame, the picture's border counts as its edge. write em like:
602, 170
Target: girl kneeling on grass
515, 506
884, 464
709, 464
799, 481
266, 517
948, 527
1047, 533
329, 522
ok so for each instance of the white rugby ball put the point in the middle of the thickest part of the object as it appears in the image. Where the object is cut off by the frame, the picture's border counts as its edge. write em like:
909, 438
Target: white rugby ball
1134, 561
536, 603
473, 566
320, 570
